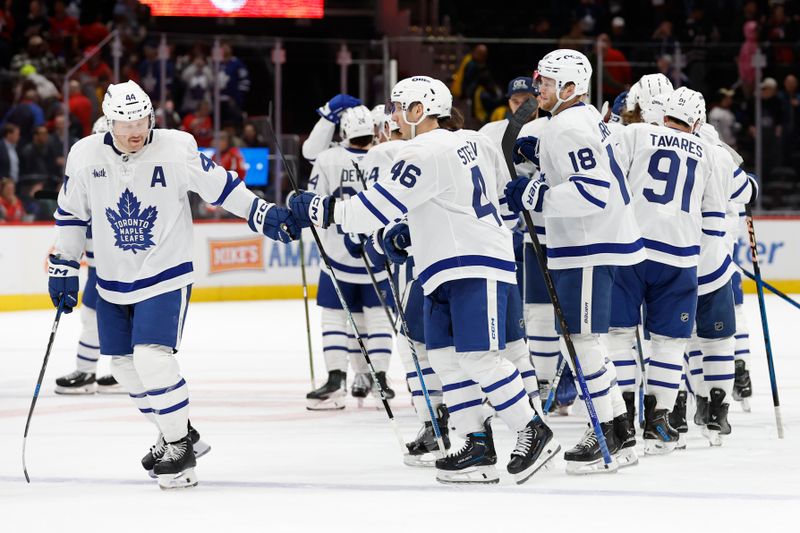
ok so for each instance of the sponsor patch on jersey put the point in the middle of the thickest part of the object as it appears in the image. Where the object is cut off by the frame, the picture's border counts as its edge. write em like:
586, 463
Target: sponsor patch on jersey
133, 228
238, 254
98, 172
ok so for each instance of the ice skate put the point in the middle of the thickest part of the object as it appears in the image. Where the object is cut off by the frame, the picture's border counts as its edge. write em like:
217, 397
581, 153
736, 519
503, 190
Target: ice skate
76, 383
423, 451
175, 469
331, 395
536, 446
473, 463
677, 419
718, 425
586, 456
659, 437
362, 386
701, 410
108, 385
384, 385
199, 447
742, 386
626, 437
630, 408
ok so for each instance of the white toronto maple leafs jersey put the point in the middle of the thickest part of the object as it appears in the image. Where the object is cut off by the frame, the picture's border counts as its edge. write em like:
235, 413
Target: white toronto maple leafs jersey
588, 214
452, 210
139, 210
495, 131
533, 128
675, 199
335, 173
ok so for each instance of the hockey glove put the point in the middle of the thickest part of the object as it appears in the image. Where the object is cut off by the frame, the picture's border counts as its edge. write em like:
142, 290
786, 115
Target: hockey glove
332, 111
354, 244
566, 392
374, 249
753, 179
275, 222
526, 148
63, 281
309, 208
395, 241
618, 107
525, 194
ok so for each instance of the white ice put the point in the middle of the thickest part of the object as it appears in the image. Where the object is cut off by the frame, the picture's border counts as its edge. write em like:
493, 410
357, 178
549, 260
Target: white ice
276, 467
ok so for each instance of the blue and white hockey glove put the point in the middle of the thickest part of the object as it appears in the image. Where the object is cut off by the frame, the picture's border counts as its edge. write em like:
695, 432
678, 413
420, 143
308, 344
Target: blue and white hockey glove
618, 107
526, 149
374, 248
354, 244
332, 111
309, 208
525, 194
395, 241
566, 391
63, 281
275, 222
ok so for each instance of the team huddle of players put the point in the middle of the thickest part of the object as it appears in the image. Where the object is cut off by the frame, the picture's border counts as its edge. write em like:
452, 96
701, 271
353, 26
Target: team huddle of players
637, 213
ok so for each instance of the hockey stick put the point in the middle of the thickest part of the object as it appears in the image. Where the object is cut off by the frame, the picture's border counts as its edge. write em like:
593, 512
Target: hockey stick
643, 371
764, 326
305, 304
59, 310
342, 301
773, 290
515, 124
551, 396
406, 333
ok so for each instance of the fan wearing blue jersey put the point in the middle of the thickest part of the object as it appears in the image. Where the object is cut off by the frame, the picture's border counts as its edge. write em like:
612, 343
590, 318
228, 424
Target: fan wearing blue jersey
464, 257
591, 230
132, 183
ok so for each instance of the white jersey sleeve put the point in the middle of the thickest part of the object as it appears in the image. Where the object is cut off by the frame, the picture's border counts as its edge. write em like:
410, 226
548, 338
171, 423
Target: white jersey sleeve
319, 140
73, 214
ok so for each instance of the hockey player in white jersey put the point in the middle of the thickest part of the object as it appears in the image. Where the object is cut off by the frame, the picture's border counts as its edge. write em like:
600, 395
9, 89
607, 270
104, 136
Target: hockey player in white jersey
676, 200
520, 90
466, 266
591, 231
132, 183
321, 136
336, 173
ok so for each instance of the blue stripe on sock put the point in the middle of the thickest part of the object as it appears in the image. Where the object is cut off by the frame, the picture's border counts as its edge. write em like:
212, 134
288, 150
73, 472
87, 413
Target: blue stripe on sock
425, 372
545, 354
505, 381
668, 366
624, 363
465, 405
460, 385
625, 382
142, 395
711, 358
528, 374
88, 346
159, 392
720, 377
664, 384
87, 358
430, 392
696, 371
505, 405
179, 405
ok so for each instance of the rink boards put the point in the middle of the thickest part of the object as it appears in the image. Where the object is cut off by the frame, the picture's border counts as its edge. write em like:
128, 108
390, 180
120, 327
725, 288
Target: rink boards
231, 263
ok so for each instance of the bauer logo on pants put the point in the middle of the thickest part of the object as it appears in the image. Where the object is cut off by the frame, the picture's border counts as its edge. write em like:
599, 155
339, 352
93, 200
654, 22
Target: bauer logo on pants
239, 254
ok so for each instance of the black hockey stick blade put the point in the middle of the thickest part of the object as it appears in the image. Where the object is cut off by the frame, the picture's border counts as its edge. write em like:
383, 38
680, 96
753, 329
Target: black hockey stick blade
515, 123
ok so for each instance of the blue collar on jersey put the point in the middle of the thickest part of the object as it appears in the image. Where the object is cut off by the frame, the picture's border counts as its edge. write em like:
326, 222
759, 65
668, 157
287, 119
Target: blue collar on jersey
109, 140
579, 104
355, 150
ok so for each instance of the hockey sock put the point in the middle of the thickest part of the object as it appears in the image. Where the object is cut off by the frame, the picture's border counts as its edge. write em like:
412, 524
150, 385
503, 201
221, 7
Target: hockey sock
357, 361
517, 353
462, 395
89, 342
334, 339
664, 369
379, 337
621, 343
124, 372
542, 339
718, 363
615, 392
591, 357
166, 390
694, 368
742, 347
432, 381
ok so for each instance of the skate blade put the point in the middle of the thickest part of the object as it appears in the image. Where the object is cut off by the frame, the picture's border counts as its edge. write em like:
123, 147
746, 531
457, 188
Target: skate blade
714, 437
77, 391
598, 466
331, 404
427, 460
200, 448
471, 475
181, 480
681, 442
627, 457
745, 403
658, 447
113, 389
549, 452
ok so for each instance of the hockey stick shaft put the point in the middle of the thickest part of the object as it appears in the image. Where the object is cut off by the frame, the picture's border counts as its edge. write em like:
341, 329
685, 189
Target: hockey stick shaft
509, 137
551, 396
643, 372
53, 330
335, 282
764, 325
406, 333
773, 290
305, 305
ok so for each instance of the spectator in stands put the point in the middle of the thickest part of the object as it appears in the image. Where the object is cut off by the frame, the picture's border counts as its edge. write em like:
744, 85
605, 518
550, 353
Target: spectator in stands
35, 23
722, 118
575, 39
781, 32
747, 73
6, 35
167, 117
771, 125
81, 107
251, 138
38, 54
9, 159
47, 89
620, 36
666, 66
150, 72
38, 160
57, 142
11, 208
472, 67
616, 69
699, 33
236, 84
790, 102
27, 114
92, 33
63, 30
228, 156
198, 79
199, 124
664, 39
95, 69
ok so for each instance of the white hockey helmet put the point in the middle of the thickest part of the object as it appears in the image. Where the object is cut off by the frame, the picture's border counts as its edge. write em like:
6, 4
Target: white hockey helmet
100, 125
565, 66
647, 87
653, 113
444, 97
127, 102
383, 122
356, 122
416, 89
686, 105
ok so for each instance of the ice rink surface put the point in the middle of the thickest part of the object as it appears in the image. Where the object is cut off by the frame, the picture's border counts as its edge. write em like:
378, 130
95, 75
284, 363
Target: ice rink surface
276, 467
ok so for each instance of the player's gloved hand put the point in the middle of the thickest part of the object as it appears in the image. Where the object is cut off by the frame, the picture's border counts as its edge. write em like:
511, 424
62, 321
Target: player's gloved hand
526, 148
332, 111
753, 179
63, 281
618, 107
525, 194
395, 241
354, 244
566, 391
309, 208
275, 222
373, 247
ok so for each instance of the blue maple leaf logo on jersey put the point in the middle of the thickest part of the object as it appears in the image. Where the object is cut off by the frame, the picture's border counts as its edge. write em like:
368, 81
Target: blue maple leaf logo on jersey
132, 230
